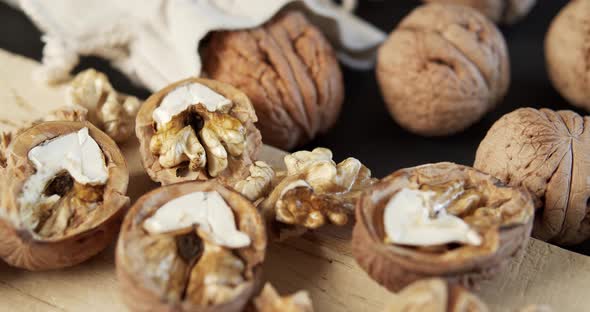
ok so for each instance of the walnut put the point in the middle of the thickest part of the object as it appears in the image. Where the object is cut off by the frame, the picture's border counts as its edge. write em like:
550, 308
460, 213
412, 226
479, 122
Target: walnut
495, 228
545, 151
270, 301
499, 11
442, 69
430, 295
315, 190
258, 183
195, 139
165, 263
53, 220
566, 53
289, 71
114, 113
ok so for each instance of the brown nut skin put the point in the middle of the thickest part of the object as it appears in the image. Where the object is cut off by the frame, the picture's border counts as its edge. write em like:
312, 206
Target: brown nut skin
140, 293
289, 71
547, 152
435, 295
237, 166
566, 53
396, 266
442, 69
18, 247
499, 11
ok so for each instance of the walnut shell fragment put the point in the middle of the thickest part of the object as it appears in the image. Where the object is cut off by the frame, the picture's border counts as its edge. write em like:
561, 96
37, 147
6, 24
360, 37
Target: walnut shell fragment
314, 191
435, 295
289, 71
185, 269
83, 221
546, 152
442, 69
499, 11
501, 215
198, 144
566, 53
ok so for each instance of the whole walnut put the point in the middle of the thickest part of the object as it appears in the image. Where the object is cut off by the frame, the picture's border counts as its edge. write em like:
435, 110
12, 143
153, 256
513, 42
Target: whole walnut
442, 69
288, 70
499, 11
547, 152
566, 53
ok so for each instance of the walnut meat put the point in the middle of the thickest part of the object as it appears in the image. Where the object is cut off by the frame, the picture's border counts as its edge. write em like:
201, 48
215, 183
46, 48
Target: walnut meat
199, 143
435, 295
566, 53
442, 69
314, 191
499, 11
546, 152
269, 300
502, 216
71, 221
289, 71
190, 268
114, 113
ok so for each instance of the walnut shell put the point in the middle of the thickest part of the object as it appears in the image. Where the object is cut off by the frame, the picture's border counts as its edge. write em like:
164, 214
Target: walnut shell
289, 71
396, 266
442, 69
499, 11
140, 287
18, 246
547, 152
237, 166
566, 53
435, 295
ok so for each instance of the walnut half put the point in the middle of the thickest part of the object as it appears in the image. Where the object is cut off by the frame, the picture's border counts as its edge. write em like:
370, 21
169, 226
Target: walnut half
193, 246
54, 219
197, 129
502, 217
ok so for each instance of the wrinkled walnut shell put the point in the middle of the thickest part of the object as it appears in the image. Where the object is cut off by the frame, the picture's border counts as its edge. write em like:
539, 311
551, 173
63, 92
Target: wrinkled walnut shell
435, 295
289, 71
141, 294
499, 11
546, 152
566, 53
18, 246
396, 266
237, 166
442, 69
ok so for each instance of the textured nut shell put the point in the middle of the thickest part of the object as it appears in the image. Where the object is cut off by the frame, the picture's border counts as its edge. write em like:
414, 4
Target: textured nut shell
442, 69
566, 53
17, 246
242, 110
289, 71
140, 295
547, 152
499, 11
395, 266
435, 295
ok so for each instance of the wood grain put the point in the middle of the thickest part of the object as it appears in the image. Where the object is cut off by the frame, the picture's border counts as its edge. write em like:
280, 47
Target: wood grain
320, 262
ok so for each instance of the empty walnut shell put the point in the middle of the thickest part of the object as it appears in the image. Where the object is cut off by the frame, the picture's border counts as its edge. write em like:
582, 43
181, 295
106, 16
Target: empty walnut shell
237, 166
21, 247
547, 152
499, 11
289, 71
566, 53
395, 266
151, 268
435, 295
442, 69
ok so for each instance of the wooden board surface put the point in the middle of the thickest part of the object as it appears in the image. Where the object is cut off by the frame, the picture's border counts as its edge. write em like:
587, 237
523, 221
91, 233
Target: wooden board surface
320, 262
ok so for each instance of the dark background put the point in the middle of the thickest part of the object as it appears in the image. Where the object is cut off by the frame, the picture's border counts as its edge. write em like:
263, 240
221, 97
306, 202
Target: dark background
365, 129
